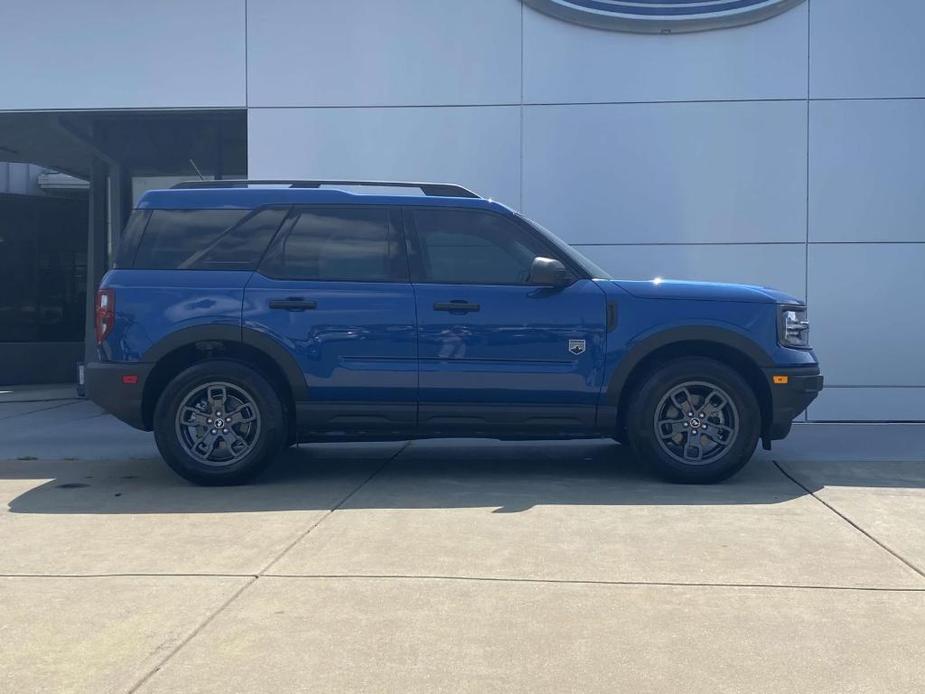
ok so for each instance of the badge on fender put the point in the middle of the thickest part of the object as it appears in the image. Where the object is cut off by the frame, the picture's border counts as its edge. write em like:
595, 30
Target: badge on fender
576, 347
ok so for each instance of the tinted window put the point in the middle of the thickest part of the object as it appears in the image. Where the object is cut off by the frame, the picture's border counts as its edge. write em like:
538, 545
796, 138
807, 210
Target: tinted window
241, 246
131, 235
352, 244
472, 247
173, 236
590, 267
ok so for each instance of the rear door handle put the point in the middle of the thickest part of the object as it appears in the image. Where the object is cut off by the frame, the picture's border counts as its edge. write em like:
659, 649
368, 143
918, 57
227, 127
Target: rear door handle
457, 305
293, 303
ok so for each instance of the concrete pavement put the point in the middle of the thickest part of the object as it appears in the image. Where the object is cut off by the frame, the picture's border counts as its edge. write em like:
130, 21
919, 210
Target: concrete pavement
450, 566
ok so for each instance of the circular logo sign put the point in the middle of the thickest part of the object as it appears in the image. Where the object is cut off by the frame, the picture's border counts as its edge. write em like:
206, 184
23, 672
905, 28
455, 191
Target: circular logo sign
662, 16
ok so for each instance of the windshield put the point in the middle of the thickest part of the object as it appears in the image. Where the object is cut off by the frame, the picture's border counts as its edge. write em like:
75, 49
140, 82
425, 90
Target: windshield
593, 269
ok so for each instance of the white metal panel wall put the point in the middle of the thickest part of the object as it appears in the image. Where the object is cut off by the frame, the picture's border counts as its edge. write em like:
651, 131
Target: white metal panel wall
867, 239
867, 49
401, 52
795, 159
62, 54
704, 172
564, 63
479, 147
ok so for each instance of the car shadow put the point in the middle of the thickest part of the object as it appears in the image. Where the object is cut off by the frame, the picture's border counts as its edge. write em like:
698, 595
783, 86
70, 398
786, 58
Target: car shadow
504, 477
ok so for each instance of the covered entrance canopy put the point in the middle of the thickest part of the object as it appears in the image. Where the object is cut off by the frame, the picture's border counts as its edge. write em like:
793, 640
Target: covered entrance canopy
112, 150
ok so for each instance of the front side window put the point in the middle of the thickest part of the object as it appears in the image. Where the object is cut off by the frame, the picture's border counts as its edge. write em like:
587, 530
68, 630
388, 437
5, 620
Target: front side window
472, 247
353, 244
172, 237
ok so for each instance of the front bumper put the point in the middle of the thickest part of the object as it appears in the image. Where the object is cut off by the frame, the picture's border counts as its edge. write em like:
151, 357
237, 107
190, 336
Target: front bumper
789, 399
119, 389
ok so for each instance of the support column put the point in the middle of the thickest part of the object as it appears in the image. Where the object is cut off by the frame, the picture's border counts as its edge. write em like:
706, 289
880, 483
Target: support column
97, 257
120, 203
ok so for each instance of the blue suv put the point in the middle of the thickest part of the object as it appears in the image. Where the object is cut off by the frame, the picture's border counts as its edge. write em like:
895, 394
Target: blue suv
244, 316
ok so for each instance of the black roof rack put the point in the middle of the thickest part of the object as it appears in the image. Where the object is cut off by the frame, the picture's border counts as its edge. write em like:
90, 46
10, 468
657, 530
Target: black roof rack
447, 190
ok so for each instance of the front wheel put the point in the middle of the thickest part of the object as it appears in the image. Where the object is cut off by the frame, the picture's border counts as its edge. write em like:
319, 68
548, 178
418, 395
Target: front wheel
694, 420
219, 422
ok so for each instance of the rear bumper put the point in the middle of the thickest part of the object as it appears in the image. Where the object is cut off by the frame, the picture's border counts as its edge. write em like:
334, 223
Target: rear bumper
790, 399
107, 386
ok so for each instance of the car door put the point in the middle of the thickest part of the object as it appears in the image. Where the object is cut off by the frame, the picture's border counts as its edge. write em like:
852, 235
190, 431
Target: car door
334, 290
498, 355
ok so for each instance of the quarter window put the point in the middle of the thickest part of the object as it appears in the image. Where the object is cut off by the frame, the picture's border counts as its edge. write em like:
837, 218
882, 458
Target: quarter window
172, 237
472, 247
355, 244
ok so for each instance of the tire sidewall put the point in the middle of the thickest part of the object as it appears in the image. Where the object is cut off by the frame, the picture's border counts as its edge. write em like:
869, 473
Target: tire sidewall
269, 440
647, 398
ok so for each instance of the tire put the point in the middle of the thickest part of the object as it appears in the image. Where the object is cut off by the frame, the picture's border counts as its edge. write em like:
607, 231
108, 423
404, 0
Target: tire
236, 450
658, 425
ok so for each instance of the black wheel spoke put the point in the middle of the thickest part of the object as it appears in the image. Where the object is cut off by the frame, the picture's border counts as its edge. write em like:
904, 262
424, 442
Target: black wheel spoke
217, 397
683, 401
693, 451
671, 427
232, 438
714, 403
193, 416
719, 433
206, 442
242, 415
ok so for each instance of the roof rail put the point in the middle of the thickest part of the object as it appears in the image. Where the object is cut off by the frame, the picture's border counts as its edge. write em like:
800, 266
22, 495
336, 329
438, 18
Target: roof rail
448, 190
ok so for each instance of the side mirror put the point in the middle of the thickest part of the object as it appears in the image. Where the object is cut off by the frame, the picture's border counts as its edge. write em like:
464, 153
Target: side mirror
548, 272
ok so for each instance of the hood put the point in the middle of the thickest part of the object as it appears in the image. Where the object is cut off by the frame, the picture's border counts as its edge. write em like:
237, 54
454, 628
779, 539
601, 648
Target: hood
706, 291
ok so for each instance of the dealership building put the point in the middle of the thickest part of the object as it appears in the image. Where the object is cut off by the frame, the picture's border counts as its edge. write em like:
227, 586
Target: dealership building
773, 142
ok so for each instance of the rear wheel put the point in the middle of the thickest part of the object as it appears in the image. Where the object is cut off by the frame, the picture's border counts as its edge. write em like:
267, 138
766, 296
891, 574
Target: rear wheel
694, 420
219, 422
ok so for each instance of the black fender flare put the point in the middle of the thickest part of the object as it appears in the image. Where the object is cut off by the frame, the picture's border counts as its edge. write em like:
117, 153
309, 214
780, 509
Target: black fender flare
234, 333
689, 333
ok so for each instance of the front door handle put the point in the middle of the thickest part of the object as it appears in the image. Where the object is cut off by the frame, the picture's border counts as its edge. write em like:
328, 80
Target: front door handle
457, 305
293, 303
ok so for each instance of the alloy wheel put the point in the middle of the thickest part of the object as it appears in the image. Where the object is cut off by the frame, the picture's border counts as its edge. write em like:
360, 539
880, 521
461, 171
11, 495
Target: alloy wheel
218, 423
696, 423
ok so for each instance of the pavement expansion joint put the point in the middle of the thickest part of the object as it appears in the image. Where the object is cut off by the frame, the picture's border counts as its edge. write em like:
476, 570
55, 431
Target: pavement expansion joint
865, 533
253, 578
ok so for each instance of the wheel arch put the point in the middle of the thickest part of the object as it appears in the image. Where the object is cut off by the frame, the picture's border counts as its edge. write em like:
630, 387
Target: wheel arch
738, 352
189, 346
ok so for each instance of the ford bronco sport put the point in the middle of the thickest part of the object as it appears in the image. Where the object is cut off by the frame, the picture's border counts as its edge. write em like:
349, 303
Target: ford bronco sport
244, 316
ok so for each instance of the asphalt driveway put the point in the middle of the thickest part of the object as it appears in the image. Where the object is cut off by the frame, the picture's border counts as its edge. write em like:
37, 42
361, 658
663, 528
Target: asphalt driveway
451, 566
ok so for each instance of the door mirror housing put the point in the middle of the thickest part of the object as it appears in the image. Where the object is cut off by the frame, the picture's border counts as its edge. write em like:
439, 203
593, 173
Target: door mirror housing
548, 272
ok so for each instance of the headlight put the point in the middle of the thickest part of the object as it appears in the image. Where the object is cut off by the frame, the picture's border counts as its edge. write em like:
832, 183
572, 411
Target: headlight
792, 327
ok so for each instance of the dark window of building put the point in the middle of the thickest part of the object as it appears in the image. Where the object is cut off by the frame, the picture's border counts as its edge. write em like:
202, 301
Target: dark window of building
473, 247
43, 268
173, 236
241, 246
350, 244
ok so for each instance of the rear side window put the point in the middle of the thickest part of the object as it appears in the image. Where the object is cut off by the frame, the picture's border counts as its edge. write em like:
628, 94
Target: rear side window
241, 246
172, 237
131, 235
355, 244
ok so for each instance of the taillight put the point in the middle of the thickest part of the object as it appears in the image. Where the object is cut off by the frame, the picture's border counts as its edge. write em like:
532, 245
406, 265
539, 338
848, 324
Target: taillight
105, 313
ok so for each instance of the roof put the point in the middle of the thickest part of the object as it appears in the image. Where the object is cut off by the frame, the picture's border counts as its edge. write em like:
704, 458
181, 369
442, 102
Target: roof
237, 196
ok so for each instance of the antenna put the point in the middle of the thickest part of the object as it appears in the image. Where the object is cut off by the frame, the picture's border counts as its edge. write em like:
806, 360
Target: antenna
198, 172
